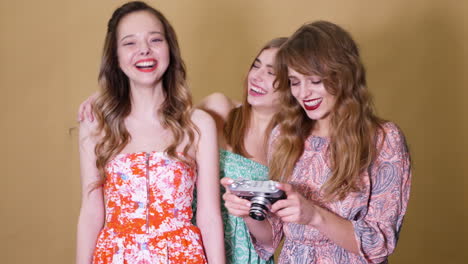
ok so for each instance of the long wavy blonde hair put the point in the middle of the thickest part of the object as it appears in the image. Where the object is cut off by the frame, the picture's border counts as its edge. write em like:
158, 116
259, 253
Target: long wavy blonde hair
113, 105
326, 50
238, 120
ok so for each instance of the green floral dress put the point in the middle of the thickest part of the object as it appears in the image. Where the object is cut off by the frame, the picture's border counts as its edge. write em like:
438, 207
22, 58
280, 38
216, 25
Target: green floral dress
239, 247
237, 242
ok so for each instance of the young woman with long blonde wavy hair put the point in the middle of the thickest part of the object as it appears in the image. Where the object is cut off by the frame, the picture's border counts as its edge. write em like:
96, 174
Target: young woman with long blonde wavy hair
148, 148
243, 130
346, 172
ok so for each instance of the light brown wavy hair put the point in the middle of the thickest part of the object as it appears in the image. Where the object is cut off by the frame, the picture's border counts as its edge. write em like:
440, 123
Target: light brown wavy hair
238, 120
113, 105
324, 49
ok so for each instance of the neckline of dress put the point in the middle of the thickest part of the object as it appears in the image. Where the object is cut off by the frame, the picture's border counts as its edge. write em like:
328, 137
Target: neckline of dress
319, 137
152, 152
243, 158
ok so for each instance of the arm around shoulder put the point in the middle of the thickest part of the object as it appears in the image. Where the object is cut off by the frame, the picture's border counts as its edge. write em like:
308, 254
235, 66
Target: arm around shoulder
218, 106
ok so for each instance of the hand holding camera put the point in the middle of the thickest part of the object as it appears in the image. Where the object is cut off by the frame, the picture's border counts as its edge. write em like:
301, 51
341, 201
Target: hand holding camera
261, 194
292, 207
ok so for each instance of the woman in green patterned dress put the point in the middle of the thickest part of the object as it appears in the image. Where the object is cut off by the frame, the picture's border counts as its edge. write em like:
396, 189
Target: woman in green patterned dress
243, 130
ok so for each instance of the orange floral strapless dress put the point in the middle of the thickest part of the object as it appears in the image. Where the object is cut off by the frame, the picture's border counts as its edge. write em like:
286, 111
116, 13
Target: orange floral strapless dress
148, 199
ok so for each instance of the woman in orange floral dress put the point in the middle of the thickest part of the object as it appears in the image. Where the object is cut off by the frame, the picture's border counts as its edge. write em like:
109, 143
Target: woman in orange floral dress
142, 157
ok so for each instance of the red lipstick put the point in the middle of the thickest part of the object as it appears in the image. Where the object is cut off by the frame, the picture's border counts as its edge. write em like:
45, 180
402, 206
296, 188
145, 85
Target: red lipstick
146, 65
313, 104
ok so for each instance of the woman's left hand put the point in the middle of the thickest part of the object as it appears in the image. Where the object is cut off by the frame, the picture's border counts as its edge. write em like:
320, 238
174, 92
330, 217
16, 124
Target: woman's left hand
295, 208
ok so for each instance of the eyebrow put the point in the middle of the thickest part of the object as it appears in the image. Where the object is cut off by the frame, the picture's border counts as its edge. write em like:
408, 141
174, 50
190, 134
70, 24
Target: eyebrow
152, 32
268, 65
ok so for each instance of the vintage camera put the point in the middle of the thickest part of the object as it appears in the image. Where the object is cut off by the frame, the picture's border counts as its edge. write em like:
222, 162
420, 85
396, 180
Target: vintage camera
261, 194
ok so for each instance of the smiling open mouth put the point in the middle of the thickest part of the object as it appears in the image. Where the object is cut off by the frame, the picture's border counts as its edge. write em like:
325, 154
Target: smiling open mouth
146, 65
312, 104
255, 91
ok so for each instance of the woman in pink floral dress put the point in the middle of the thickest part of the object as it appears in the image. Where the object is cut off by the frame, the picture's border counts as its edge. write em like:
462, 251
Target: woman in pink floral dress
345, 171
142, 157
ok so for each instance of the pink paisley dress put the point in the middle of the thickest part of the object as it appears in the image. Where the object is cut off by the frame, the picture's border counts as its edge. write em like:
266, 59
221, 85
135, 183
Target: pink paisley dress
148, 198
376, 212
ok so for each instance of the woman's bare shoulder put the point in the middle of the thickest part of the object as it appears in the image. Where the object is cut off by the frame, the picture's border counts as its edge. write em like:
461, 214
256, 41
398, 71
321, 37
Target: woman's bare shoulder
202, 119
217, 105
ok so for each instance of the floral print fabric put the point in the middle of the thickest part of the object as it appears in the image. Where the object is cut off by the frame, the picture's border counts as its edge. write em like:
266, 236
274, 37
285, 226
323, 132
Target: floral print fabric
376, 212
239, 247
148, 199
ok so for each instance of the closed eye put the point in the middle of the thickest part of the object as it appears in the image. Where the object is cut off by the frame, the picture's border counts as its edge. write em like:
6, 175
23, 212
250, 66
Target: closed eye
293, 82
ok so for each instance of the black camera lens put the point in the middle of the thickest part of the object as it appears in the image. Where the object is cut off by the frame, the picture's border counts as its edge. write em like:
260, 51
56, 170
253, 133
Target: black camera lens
259, 208
258, 211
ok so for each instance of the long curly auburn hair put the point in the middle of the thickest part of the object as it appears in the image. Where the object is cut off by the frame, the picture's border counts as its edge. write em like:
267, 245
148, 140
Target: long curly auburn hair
324, 49
113, 105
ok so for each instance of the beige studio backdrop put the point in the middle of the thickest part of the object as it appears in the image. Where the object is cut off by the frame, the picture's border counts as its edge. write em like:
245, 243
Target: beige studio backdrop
414, 51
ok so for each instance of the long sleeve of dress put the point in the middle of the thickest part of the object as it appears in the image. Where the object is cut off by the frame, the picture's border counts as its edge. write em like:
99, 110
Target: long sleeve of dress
377, 228
277, 230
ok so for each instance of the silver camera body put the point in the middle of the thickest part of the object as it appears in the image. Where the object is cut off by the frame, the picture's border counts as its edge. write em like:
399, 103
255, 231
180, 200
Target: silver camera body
261, 194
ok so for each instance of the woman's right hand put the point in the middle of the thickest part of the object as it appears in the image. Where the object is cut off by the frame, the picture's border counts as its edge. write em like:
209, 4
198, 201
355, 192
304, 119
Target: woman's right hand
236, 206
86, 108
